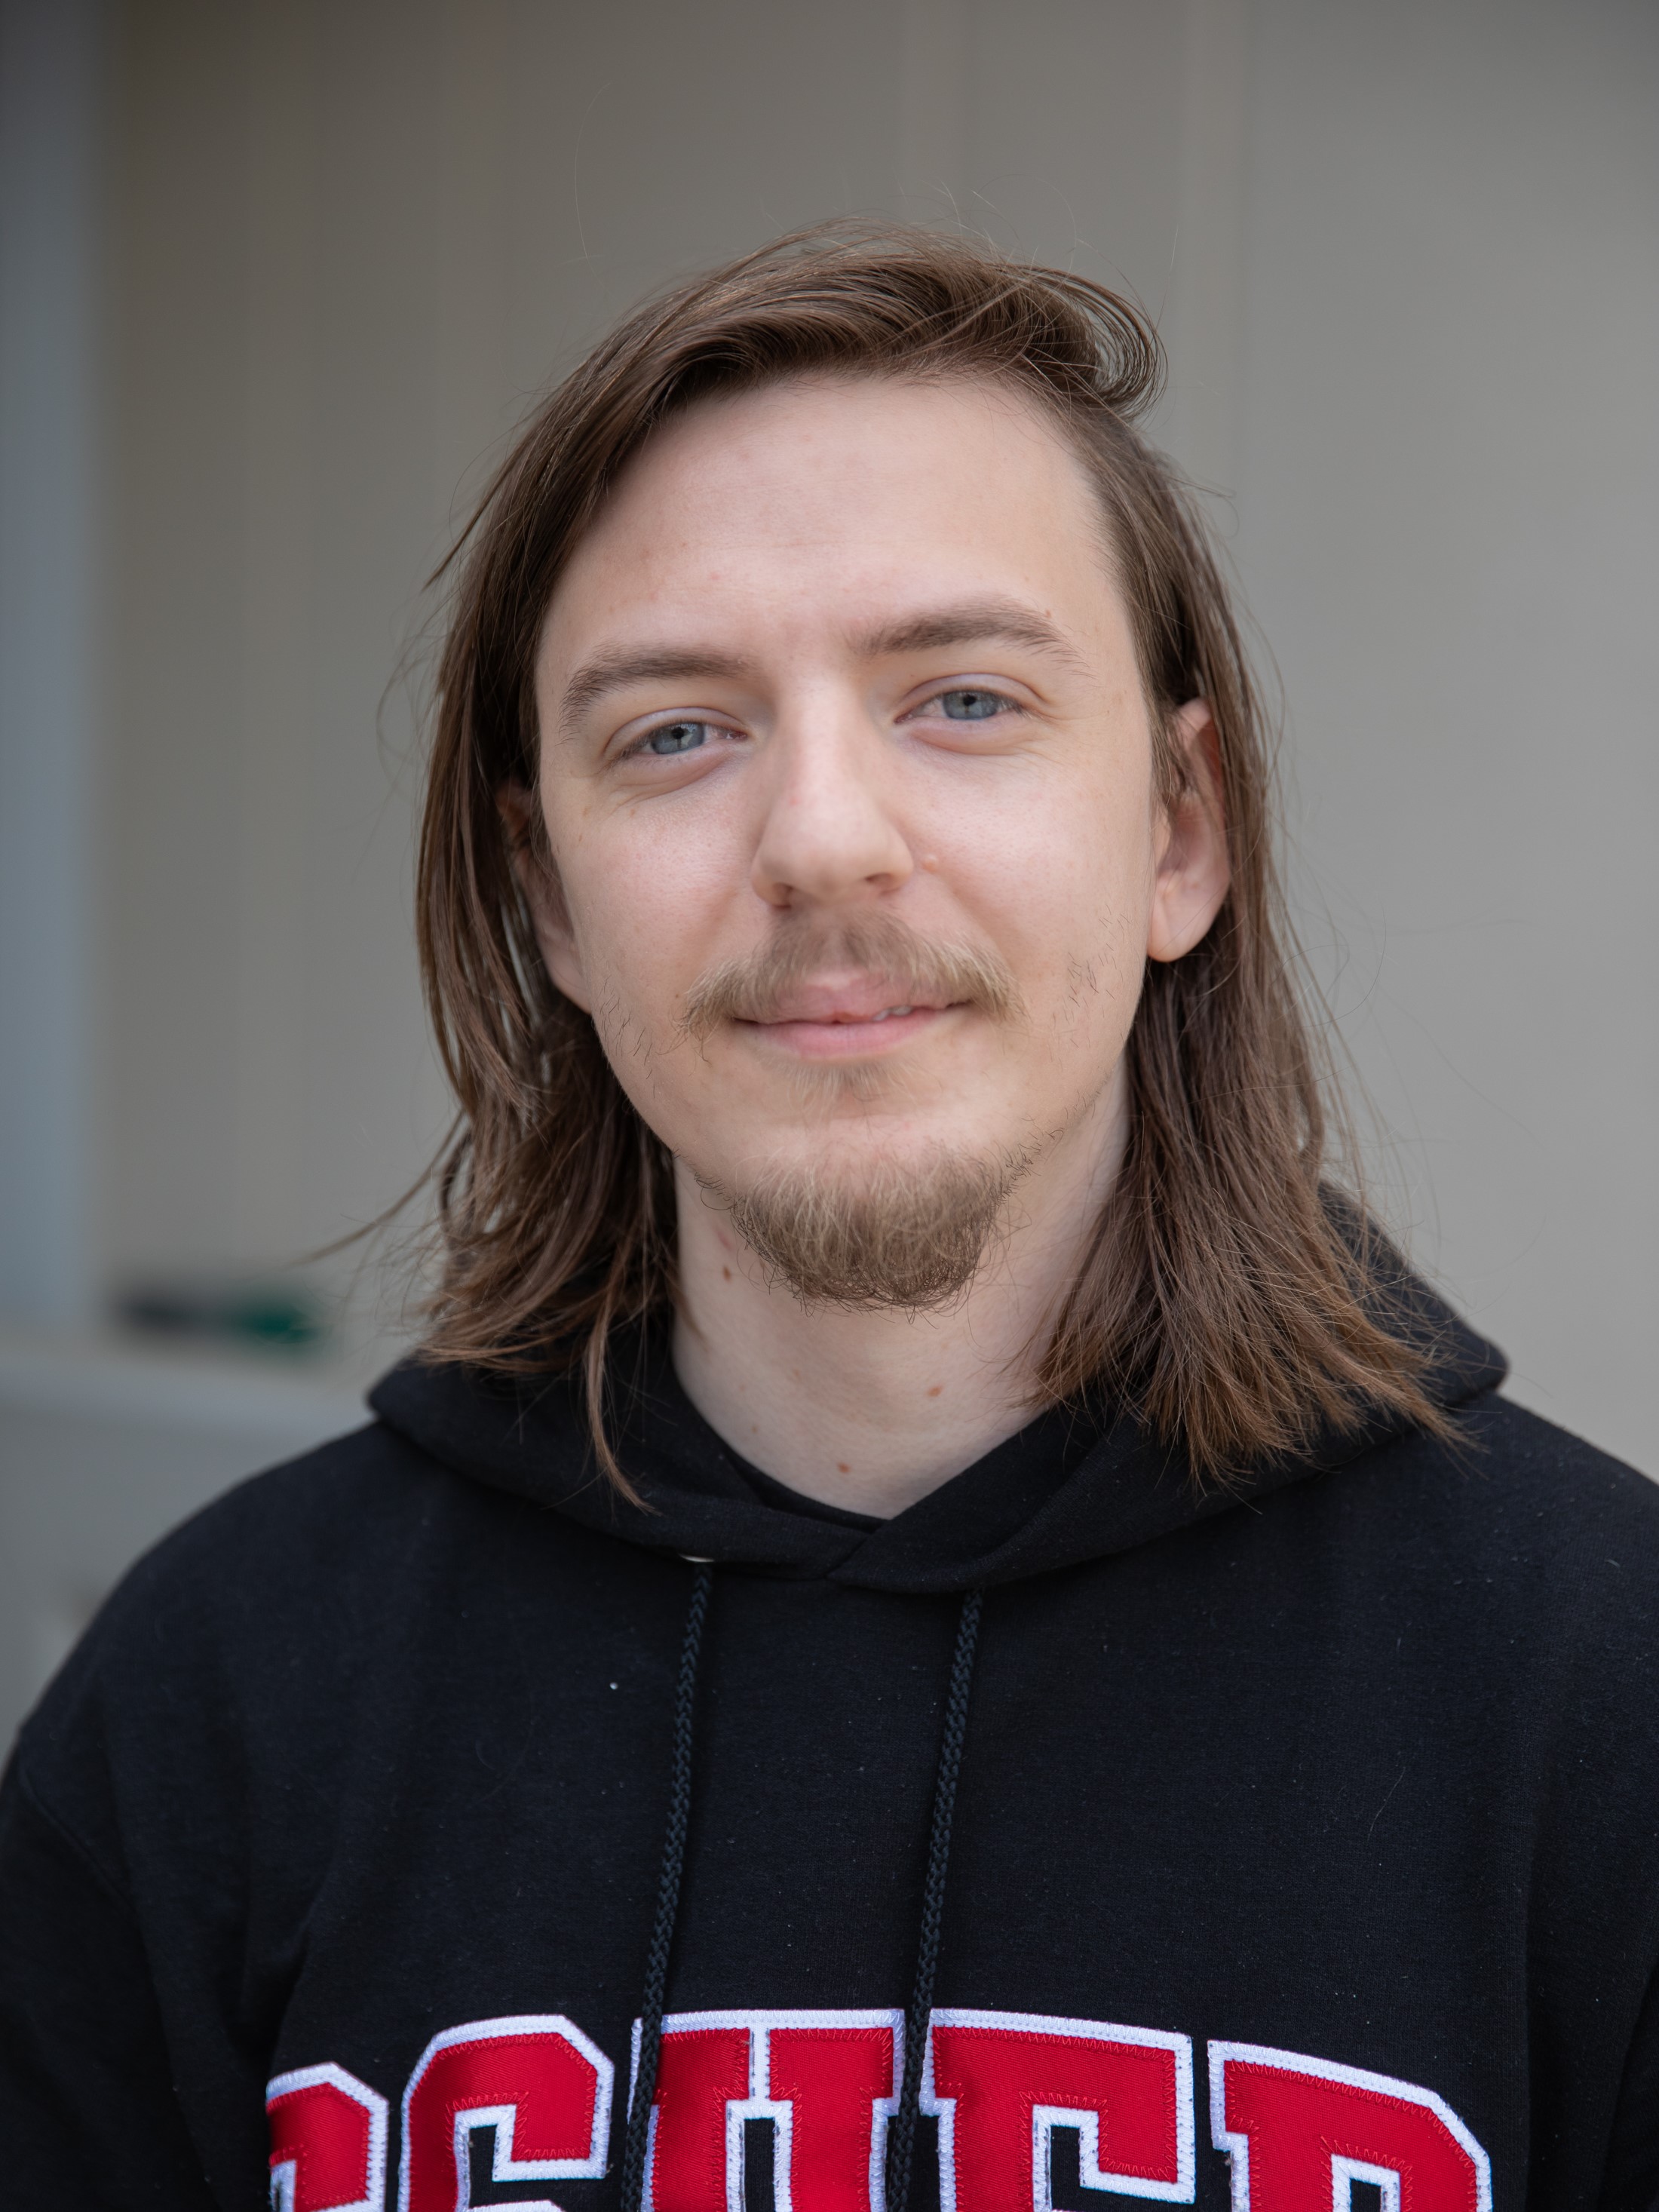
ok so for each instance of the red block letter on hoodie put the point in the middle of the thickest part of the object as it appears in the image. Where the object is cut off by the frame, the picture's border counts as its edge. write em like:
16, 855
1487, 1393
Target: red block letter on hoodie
327, 2141
1300, 2132
534, 2080
823, 2081
702, 2073
1002, 2082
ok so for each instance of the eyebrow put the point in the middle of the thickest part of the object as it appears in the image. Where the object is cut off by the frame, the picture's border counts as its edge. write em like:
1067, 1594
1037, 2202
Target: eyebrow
1003, 622
1000, 622
613, 672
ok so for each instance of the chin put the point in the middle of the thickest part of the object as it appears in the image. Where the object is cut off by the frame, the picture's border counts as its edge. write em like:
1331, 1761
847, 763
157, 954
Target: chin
865, 1227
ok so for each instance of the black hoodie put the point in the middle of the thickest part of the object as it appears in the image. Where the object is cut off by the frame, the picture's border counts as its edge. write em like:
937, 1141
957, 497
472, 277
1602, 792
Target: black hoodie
1299, 1840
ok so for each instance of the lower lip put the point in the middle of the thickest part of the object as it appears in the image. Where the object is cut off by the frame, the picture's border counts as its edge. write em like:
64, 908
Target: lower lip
848, 1040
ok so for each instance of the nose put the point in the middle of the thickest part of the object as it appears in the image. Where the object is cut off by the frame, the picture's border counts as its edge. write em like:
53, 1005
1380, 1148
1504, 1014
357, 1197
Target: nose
830, 834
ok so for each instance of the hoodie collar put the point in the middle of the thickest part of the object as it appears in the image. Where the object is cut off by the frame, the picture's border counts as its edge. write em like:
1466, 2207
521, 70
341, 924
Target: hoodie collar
1074, 1484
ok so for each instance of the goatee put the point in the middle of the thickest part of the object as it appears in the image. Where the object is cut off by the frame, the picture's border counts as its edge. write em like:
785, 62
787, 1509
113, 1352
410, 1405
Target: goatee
908, 1235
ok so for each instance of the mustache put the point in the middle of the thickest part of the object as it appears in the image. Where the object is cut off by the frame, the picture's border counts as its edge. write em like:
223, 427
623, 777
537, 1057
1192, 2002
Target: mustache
752, 986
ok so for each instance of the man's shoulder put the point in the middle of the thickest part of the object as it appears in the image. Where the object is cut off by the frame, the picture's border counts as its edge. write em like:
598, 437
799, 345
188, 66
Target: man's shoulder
1532, 1446
262, 1636
345, 1508
1519, 1528
293, 1570
1510, 1474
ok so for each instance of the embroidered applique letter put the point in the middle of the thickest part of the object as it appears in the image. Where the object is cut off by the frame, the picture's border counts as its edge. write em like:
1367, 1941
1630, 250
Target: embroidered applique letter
1001, 2082
534, 2080
1301, 2131
327, 2141
823, 2084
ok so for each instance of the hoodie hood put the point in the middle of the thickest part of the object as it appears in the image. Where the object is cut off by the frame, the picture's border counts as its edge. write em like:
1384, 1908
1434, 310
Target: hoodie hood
1074, 1484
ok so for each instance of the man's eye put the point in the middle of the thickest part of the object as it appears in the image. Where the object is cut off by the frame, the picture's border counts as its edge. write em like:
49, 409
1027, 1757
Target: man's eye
675, 738
970, 705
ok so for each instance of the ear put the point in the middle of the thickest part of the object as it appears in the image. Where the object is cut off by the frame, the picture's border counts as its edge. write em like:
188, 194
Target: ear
526, 838
1192, 869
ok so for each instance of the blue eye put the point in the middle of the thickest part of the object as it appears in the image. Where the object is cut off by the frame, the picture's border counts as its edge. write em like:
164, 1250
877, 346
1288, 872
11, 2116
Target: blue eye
970, 705
675, 738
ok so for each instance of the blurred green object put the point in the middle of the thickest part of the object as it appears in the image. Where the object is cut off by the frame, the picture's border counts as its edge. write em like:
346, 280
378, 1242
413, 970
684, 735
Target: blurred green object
264, 1315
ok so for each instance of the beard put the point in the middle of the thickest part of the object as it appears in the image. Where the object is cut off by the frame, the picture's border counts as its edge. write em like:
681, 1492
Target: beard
904, 1235
882, 1233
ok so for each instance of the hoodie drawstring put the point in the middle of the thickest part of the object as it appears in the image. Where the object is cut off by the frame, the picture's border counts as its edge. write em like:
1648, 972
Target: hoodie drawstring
668, 1894
902, 2133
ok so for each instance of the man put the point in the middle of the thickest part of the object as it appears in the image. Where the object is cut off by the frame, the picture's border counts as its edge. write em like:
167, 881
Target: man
938, 1622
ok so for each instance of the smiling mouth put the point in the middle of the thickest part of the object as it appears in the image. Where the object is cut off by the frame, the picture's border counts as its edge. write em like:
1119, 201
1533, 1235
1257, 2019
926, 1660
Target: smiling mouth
887, 1014
862, 986
847, 1032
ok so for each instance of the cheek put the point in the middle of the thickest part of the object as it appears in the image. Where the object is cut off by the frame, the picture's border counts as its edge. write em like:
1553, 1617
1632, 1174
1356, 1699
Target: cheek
1066, 889
643, 894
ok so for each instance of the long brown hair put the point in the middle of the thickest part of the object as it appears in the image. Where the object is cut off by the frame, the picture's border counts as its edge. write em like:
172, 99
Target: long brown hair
1222, 1292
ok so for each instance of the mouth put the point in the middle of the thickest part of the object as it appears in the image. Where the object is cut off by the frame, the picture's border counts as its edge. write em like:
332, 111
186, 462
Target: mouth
860, 990
826, 1025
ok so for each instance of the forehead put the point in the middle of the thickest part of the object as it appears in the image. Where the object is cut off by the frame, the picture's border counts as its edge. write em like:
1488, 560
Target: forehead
824, 499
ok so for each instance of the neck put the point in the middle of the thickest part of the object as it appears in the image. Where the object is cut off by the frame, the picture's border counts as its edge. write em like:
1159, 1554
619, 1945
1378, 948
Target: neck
872, 1409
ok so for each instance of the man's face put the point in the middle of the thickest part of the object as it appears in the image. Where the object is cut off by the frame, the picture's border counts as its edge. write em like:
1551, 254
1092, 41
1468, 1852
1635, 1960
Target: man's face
848, 780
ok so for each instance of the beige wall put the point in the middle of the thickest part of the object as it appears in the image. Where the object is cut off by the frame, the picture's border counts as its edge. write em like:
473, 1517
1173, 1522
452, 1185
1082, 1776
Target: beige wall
350, 244
1449, 522
1406, 256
